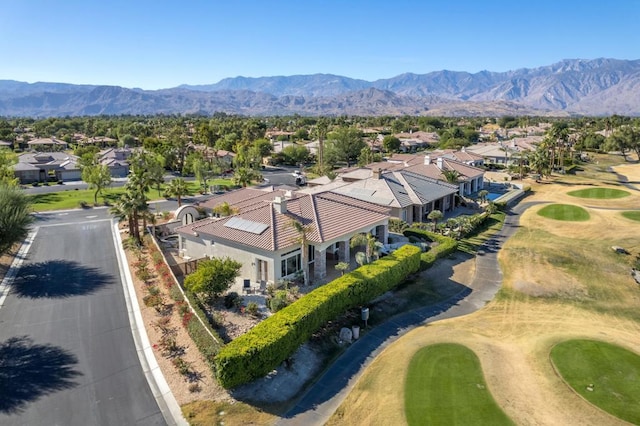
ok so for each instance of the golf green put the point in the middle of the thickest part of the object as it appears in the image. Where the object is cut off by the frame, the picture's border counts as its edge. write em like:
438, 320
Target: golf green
632, 215
606, 375
445, 386
599, 193
566, 212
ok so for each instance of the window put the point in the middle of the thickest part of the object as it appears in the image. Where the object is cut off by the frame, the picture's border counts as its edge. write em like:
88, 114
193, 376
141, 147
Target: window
291, 264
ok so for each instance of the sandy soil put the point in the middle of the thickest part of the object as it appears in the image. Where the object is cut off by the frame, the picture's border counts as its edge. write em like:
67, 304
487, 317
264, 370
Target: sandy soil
513, 335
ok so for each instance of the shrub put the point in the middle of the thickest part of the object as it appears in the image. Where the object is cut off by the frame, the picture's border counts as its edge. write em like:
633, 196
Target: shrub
201, 334
153, 301
232, 300
194, 387
445, 247
397, 225
156, 257
175, 293
278, 301
252, 308
265, 346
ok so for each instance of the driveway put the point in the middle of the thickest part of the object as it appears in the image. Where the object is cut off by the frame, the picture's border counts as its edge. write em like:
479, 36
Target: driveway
67, 356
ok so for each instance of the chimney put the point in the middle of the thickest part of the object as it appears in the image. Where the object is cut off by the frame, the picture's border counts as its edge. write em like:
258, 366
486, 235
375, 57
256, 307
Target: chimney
427, 160
439, 162
280, 204
377, 174
288, 194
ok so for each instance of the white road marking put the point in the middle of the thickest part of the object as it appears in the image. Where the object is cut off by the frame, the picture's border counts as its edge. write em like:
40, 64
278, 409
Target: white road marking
91, 217
62, 214
17, 262
74, 223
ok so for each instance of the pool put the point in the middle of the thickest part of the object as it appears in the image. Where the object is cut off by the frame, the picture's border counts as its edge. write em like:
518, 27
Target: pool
493, 195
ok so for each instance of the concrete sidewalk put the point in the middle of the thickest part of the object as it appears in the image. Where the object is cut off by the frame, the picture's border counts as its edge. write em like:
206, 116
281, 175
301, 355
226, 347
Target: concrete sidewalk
322, 399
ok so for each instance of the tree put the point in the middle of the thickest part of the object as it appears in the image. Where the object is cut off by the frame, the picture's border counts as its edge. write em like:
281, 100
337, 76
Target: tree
295, 154
342, 267
225, 209
98, 177
15, 216
244, 176
7, 160
483, 195
367, 241
451, 176
435, 216
302, 230
177, 188
213, 277
346, 144
390, 143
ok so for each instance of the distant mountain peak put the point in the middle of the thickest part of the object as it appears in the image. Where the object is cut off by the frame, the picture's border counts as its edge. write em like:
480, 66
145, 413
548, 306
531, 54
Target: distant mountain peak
600, 86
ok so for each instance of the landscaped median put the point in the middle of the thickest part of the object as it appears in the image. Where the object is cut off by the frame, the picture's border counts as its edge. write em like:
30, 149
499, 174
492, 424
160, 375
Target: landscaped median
264, 347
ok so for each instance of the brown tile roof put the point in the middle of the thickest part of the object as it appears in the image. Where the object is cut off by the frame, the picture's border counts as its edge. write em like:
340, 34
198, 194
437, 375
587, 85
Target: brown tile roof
328, 216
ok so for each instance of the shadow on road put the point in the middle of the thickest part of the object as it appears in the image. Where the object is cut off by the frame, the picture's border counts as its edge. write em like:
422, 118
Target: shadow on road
29, 371
42, 280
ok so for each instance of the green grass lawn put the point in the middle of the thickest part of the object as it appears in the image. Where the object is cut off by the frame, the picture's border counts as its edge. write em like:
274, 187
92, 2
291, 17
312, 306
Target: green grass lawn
599, 193
565, 212
482, 233
445, 386
71, 198
632, 215
606, 375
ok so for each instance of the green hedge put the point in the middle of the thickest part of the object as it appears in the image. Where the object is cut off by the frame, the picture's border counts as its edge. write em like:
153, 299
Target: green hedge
207, 346
446, 246
265, 346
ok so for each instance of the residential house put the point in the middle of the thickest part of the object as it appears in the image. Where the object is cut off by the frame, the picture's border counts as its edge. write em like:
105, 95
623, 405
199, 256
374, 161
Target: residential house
46, 166
117, 161
410, 196
505, 152
47, 144
260, 234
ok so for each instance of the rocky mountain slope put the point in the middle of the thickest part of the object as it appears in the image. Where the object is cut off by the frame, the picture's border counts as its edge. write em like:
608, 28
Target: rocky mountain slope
587, 87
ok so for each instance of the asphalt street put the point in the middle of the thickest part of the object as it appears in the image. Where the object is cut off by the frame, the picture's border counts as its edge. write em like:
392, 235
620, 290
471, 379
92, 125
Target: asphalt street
67, 356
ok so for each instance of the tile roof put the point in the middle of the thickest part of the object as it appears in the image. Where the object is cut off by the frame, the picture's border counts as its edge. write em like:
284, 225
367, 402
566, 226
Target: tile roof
324, 214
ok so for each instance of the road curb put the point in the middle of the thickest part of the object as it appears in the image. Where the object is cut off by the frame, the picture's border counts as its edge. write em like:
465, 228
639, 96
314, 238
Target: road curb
162, 393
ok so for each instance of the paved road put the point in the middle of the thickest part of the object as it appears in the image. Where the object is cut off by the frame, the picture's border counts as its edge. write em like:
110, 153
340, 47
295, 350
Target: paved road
321, 400
67, 356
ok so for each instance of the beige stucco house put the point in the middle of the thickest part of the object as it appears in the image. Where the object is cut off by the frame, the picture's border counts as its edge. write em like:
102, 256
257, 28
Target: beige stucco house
260, 234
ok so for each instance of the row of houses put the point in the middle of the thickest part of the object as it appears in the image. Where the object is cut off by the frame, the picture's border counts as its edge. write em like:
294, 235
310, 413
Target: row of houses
261, 236
37, 167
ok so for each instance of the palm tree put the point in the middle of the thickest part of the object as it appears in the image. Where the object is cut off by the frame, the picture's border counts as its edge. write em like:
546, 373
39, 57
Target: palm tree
302, 230
368, 241
177, 188
435, 215
15, 216
451, 176
483, 195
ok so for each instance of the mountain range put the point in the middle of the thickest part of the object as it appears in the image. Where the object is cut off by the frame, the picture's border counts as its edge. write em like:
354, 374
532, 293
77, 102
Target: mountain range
569, 87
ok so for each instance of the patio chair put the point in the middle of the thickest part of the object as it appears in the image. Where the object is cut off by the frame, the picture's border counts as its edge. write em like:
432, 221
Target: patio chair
247, 286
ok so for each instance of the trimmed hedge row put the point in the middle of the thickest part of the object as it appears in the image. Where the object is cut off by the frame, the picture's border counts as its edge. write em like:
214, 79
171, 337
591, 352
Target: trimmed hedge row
446, 246
207, 346
265, 346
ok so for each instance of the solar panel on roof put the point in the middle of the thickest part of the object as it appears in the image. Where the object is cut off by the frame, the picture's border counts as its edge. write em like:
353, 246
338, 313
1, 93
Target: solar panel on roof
246, 225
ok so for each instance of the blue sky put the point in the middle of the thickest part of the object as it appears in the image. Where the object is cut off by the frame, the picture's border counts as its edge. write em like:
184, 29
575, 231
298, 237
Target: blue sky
160, 44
